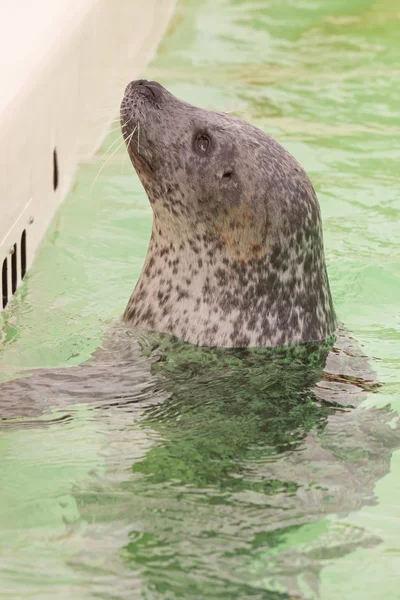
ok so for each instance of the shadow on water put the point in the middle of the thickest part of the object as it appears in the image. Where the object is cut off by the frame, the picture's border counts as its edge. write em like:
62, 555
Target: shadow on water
253, 453
258, 447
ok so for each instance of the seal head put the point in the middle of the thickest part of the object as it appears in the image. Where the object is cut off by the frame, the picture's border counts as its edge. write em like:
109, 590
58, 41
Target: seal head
236, 253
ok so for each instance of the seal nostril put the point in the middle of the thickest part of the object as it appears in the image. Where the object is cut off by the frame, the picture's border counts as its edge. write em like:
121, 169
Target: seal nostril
155, 89
151, 89
139, 83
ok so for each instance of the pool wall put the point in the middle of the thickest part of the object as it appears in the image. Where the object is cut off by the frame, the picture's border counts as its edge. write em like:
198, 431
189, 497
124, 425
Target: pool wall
64, 68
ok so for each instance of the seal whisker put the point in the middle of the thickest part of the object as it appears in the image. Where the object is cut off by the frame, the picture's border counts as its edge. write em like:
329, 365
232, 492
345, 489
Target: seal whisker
109, 158
128, 141
105, 111
126, 154
121, 127
106, 124
116, 129
108, 107
119, 138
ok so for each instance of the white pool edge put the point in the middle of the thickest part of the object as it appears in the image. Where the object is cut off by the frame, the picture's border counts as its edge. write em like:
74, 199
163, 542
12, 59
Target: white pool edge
59, 112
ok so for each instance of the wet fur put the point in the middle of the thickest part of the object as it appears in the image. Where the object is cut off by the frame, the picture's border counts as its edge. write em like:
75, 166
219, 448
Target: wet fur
236, 254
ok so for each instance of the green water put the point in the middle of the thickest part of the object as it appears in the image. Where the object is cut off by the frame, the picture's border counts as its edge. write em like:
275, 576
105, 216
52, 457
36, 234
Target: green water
114, 505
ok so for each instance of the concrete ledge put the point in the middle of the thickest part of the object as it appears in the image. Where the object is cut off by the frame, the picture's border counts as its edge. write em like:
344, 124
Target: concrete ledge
64, 66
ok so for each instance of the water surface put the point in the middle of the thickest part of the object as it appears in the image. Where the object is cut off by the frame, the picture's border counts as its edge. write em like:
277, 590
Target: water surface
227, 479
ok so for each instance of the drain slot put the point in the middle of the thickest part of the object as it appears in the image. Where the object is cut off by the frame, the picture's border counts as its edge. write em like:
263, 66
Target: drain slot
23, 254
4, 282
17, 261
14, 270
55, 169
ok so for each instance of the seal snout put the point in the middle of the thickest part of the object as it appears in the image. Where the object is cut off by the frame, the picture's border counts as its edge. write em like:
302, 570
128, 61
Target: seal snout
140, 96
150, 90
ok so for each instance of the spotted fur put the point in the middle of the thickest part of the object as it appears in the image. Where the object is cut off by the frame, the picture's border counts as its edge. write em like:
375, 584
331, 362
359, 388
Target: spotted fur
236, 254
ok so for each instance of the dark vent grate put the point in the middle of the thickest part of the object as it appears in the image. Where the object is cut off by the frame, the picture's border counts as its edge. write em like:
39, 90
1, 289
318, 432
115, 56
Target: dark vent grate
16, 261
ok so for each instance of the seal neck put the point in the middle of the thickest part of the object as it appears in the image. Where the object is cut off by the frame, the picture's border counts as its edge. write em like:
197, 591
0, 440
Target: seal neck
200, 290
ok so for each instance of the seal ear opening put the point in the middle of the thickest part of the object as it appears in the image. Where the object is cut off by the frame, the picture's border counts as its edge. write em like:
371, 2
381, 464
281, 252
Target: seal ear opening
202, 143
227, 174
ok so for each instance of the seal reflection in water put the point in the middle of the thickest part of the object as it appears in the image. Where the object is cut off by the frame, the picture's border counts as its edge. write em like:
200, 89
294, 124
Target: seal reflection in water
236, 256
255, 398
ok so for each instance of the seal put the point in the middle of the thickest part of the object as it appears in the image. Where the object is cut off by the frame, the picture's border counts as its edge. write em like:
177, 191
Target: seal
236, 258
236, 255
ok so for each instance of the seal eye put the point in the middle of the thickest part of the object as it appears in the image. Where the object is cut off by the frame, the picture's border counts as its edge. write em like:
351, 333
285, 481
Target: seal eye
203, 143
